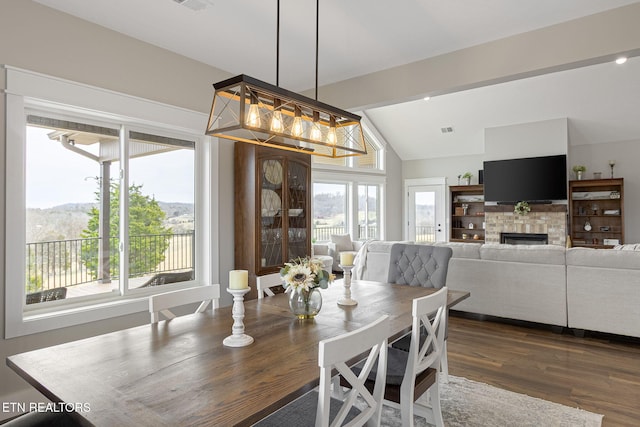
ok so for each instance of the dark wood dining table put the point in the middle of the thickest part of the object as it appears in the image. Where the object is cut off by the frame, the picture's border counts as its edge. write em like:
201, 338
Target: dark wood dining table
178, 372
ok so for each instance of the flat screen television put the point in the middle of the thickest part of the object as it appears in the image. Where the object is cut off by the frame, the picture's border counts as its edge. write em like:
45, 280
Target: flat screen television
531, 179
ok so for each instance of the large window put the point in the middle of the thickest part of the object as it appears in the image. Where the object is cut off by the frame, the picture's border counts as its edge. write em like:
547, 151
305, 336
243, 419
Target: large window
74, 210
103, 208
347, 192
346, 204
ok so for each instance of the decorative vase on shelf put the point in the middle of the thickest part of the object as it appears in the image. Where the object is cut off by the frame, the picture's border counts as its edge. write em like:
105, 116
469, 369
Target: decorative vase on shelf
305, 304
579, 174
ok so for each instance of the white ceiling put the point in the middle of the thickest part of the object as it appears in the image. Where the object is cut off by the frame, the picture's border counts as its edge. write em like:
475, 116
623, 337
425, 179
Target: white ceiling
358, 37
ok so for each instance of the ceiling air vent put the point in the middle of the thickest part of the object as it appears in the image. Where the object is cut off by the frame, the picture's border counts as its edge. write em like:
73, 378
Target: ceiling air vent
193, 4
447, 129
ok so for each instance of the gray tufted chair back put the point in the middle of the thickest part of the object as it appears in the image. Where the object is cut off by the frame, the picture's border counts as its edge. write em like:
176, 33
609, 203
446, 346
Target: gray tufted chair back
419, 265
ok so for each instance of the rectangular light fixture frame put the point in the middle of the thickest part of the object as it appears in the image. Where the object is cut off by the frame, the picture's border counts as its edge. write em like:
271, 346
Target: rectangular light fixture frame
249, 110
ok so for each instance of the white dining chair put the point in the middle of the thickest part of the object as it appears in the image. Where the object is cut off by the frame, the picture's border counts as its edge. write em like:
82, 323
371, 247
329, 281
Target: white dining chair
266, 282
411, 374
161, 303
318, 407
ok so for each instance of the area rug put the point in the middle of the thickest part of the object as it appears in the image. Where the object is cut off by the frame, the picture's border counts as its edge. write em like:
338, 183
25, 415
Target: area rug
467, 403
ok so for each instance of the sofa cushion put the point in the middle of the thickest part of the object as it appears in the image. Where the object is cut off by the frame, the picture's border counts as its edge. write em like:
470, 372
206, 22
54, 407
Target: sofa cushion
462, 250
604, 258
535, 254
342, 241
380, 246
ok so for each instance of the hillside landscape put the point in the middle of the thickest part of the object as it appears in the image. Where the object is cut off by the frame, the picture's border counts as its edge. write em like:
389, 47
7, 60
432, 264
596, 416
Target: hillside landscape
67, 221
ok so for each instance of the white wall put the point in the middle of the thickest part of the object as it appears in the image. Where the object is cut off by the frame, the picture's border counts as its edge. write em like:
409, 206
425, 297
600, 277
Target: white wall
393, 197
543, 138
448, 167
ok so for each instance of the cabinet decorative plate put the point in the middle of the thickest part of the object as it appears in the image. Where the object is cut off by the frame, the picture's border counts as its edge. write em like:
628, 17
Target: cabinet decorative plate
587, 226
272, 171
271, 203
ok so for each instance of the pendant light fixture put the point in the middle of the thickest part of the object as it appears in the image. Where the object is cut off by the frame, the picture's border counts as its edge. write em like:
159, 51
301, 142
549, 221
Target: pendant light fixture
249, 110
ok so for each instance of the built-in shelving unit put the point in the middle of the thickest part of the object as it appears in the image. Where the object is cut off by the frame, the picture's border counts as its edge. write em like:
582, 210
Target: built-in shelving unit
596, 212
467, 213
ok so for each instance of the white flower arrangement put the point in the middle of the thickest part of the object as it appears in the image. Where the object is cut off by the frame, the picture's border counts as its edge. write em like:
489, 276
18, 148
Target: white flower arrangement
522, 208
305, 274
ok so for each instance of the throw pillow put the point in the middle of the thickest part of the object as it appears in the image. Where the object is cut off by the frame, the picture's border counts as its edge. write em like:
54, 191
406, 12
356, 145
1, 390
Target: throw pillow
628, 247
342, 242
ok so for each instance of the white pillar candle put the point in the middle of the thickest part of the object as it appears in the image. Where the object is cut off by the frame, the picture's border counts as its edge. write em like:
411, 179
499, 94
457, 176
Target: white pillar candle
238, 279
346, 258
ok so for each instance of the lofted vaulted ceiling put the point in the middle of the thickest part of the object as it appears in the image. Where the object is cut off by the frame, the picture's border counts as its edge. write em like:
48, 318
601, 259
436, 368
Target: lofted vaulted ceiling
358, 37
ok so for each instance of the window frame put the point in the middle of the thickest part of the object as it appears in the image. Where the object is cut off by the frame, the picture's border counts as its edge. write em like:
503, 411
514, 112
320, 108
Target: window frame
352, 181
354, 176
374, 138
28, 92
366, 207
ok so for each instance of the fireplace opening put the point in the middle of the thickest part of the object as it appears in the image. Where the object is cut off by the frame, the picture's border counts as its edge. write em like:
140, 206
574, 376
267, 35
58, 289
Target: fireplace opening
524, 238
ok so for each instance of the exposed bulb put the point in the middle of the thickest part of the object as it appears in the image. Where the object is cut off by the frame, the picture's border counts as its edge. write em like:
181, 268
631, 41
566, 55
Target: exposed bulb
296, 128
277, 124
253, 116
332, 138
315, 133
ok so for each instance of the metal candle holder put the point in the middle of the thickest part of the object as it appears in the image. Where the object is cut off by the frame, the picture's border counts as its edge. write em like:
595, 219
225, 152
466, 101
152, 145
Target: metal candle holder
238, 337
346, 299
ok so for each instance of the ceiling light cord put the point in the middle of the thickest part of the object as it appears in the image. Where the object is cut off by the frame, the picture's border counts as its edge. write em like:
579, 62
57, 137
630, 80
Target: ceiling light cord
278, 44
317, 38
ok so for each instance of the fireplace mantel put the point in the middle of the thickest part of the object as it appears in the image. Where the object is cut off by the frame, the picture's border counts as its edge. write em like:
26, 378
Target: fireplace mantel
534, 208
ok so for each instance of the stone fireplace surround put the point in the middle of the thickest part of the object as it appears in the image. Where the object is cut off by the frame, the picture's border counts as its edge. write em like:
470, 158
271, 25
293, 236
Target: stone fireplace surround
550, 219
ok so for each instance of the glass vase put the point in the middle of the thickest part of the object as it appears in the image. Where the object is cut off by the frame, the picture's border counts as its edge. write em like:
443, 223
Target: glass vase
305, 304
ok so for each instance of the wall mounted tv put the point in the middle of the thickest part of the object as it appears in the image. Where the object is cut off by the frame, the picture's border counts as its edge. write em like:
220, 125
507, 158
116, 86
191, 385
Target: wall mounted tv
532, 179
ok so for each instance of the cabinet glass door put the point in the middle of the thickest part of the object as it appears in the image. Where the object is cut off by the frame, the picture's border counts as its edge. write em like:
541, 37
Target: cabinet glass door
297, 210
272, 209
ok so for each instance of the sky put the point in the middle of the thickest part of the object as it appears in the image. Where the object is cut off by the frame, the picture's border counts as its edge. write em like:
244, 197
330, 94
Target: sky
56, 176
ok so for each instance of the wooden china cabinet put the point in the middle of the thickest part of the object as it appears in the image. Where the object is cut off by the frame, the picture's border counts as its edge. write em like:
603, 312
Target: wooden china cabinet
272, 209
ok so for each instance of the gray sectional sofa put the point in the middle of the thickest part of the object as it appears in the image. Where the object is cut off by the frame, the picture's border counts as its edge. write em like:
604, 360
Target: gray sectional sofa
591, 289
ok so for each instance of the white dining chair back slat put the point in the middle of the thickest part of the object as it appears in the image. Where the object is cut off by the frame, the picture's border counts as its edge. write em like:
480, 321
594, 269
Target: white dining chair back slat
162, 303
266, 282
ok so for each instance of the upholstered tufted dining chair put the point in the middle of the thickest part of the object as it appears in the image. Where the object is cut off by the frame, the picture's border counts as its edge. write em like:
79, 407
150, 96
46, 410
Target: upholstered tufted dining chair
420, 265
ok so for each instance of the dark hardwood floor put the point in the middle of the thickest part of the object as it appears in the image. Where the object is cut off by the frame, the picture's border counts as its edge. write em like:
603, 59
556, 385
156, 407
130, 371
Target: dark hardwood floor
596, 373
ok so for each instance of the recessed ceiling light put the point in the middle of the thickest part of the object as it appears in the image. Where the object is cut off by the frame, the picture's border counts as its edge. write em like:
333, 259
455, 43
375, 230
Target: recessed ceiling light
426, 98
621, 60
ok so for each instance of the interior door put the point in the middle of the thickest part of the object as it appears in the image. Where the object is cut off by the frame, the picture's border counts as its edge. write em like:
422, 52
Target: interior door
426, 213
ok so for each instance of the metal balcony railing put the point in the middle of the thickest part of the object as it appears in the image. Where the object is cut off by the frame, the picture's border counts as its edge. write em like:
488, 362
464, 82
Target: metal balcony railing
425, 233
64, 263
323, 234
